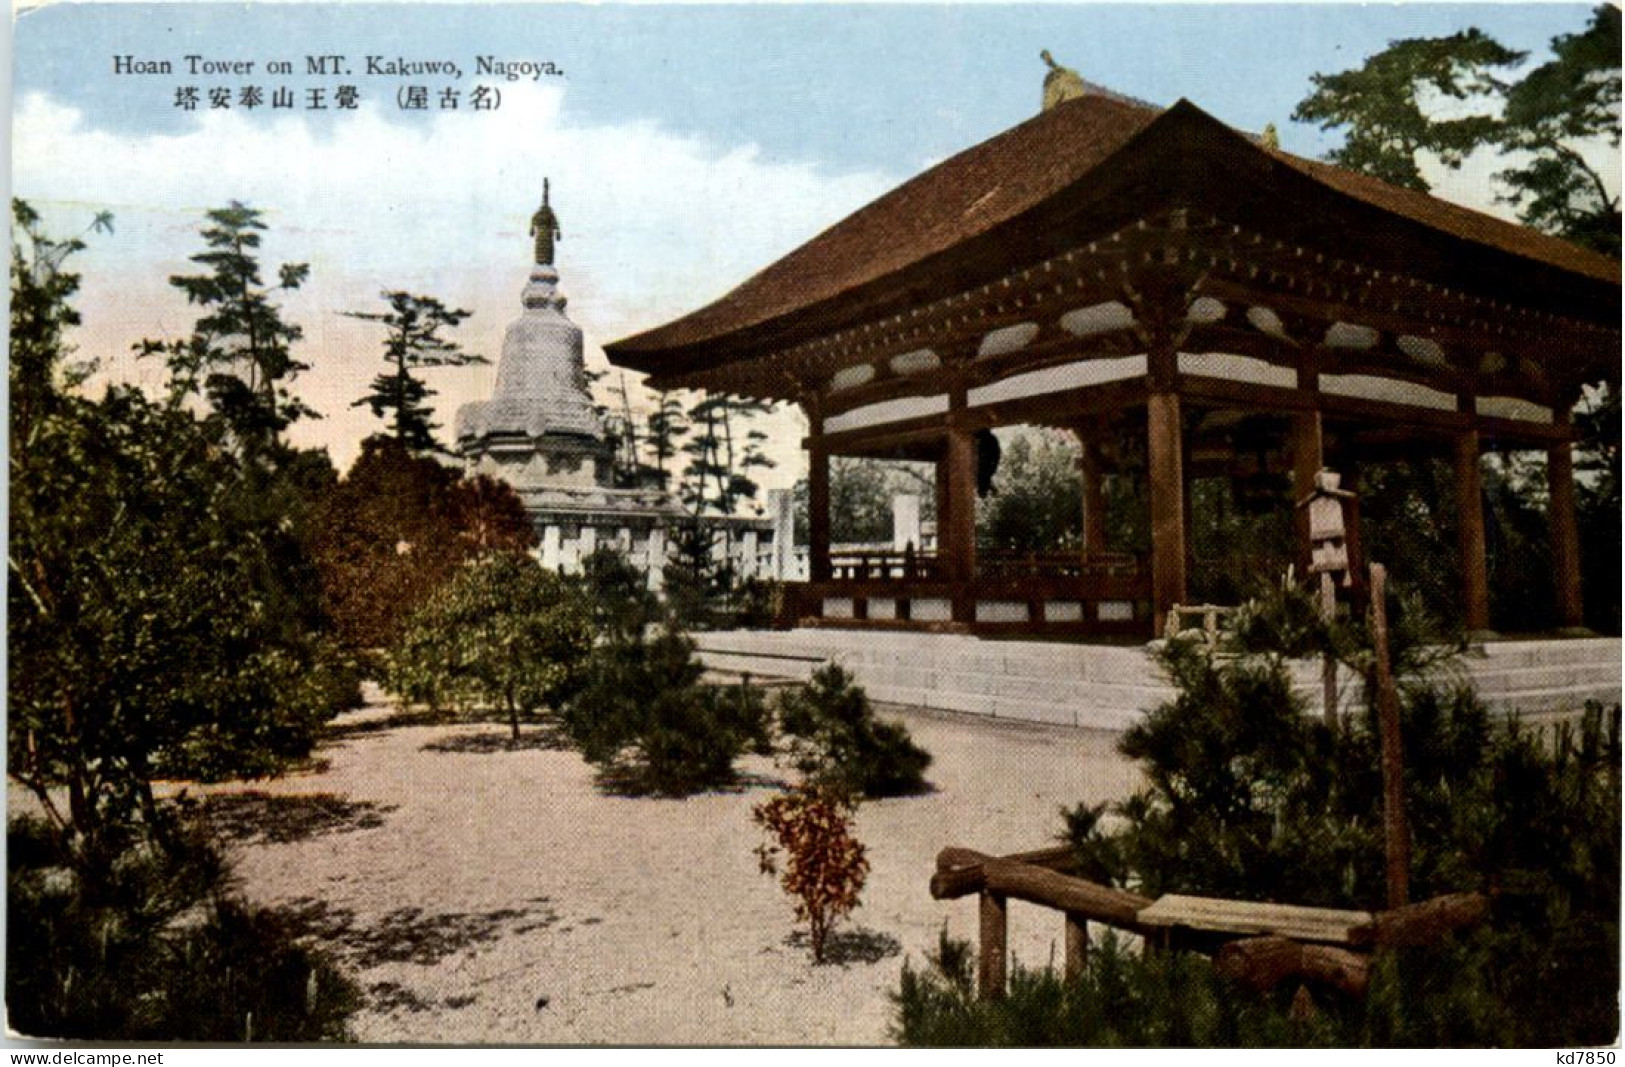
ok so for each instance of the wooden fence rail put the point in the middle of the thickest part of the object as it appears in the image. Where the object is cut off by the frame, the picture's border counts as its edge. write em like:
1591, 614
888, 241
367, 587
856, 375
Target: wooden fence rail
1259, 944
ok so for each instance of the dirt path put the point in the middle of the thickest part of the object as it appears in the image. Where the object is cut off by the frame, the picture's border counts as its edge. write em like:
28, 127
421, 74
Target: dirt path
488, 895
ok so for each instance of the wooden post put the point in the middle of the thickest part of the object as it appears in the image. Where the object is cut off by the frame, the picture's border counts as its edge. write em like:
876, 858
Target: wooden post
1164, 452
1565, 533
1094, 500
1077, 946
960, 542
990, 969
1328, 662
817, 507
1470, 533
1307, 460
1396, 835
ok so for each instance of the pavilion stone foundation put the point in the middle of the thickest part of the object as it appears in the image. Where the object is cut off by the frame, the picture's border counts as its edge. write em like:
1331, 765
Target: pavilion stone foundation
1110, 687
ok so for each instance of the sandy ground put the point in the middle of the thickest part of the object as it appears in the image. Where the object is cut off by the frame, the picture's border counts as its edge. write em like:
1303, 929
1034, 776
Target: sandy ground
487, 895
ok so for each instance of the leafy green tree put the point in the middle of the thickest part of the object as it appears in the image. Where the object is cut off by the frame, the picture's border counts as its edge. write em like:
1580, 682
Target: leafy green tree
1381, 104
1561, 104
240, 354
145, 635
160, 950
1037, 500
504, 633
41, 315
861, 491
141, 644
413, 342
1248, 797
1597, 426
623, 606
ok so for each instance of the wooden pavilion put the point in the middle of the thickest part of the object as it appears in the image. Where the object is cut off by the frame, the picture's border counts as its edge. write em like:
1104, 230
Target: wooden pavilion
1118, 269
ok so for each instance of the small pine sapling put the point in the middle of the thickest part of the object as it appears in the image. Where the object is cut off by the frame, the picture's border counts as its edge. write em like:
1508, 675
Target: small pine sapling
825, 866
837, 742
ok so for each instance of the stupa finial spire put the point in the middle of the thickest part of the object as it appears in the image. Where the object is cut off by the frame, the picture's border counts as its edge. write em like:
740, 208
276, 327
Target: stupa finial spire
544, 227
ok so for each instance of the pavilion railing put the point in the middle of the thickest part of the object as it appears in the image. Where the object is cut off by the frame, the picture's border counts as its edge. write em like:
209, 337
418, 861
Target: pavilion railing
1017, 565
864, 565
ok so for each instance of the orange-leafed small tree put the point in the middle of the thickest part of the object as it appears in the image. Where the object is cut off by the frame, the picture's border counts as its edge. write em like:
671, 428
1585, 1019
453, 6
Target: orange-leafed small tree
824, 864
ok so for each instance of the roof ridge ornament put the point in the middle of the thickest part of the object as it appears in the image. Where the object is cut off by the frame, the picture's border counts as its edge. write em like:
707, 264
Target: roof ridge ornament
1061, 83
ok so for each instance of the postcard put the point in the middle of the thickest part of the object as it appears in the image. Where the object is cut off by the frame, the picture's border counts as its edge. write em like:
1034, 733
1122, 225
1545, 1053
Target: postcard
801, 525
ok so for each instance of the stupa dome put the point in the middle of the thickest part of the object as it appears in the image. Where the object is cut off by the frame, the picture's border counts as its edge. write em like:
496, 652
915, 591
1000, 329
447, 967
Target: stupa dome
541, 389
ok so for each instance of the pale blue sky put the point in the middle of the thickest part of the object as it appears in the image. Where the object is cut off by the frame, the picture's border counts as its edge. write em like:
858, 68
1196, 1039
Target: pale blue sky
688, 146
872, 86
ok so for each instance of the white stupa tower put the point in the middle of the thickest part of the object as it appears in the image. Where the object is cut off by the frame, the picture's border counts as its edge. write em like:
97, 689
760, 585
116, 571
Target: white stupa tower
540, 433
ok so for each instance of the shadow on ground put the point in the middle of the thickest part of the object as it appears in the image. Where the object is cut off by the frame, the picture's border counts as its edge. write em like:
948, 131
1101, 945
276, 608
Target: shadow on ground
633, 783
393, 721
411, 935
846, 947
270, 818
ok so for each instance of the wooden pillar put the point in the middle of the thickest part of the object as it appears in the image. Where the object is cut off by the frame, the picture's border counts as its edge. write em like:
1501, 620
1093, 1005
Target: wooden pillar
1470, 532
959, 538
1395, 829
1187, 493
818, 567
944, 503
1307, 460
1565, 533
990, 970
958, 535
1094, 500
1164, 452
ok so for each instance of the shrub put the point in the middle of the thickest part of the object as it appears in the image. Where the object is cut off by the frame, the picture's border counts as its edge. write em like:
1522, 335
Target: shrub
1123, 999
647, 721
503, 633
152, 949
618, 594
755, 603
837, 742
824, 865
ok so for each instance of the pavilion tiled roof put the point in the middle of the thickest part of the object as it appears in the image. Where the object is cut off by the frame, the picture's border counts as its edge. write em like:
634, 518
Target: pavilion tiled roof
991, 185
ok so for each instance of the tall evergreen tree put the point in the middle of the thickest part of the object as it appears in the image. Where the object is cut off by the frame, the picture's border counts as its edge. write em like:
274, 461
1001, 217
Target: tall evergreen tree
1559, 105
412, 343
1546, 120
663, 432
1381, 104
240, 354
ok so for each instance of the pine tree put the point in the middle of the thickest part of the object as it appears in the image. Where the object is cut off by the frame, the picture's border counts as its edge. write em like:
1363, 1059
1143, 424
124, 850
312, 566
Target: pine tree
412, 343
240, 354
1380, 104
